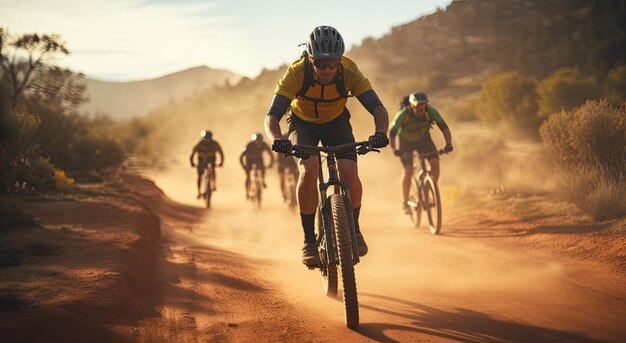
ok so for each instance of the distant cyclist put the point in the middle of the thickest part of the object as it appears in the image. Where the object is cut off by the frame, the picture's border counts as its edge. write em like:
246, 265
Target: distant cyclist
286, 165
412, 125
206, 150
252, 155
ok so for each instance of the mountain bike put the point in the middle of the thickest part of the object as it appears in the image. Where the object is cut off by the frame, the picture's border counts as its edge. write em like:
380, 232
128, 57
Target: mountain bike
207, 187
424, 196
291, 198
255, 191
336, 236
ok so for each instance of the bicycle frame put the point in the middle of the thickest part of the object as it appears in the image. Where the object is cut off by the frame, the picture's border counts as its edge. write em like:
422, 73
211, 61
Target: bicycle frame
289, 187
420, 201
255, 185
207, 184
324, 206
337, 240
339, 188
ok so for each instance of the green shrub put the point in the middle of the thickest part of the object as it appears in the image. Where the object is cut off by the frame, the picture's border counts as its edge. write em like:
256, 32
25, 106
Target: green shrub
593, 134
508, 96
29, 174
589, 144
96, 154
565, 89
615, 84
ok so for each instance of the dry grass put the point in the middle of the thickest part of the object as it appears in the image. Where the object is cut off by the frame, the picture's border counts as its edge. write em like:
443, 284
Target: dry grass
598, 192
589, 144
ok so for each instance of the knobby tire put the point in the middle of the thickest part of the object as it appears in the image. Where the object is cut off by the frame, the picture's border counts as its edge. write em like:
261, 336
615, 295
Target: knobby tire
414, 197
344, 249
433, 211
207, 189
329, 272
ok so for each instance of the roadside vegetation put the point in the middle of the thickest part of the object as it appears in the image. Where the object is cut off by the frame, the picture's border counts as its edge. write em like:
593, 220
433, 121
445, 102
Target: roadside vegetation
588, 144
45, 144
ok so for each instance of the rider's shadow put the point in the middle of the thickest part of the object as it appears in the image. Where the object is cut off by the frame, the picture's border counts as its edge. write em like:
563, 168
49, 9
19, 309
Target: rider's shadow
462, 325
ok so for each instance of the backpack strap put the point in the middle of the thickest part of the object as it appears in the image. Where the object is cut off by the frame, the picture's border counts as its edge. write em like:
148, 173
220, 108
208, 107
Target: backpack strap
307, 82
341, 86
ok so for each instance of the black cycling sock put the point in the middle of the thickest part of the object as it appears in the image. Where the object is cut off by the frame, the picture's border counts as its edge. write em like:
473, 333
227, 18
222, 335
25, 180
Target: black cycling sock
356, 213
308, 224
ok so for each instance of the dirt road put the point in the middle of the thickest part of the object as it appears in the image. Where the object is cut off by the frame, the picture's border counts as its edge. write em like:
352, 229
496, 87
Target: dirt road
236, 275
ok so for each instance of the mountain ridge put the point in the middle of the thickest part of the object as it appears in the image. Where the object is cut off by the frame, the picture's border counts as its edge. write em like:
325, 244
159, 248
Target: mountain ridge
129, 99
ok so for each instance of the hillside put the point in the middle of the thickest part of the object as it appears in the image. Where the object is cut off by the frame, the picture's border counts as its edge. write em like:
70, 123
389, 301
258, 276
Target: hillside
122, 100
534, 37
459, 46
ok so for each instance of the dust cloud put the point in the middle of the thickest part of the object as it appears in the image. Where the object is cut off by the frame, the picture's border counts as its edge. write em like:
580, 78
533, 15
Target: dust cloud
404, 265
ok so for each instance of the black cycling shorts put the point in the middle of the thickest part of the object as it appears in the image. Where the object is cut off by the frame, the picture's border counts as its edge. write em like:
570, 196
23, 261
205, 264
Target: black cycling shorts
287, 163
202, 164
337, 131
258, 162
423, 146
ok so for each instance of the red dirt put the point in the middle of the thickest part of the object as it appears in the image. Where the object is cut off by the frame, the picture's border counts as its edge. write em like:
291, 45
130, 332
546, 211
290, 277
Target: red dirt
134, 265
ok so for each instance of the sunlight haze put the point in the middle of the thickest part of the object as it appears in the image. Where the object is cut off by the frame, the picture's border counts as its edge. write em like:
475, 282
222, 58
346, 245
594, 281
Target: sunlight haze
127, 40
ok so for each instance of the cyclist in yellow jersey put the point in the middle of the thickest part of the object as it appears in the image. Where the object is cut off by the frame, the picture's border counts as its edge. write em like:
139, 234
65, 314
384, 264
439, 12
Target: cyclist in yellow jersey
206, 150
316, 88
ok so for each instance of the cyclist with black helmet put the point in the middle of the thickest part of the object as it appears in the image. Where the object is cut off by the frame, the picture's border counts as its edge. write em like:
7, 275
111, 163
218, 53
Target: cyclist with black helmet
412, 125
206, 149
252, 155
316, 88
286, 165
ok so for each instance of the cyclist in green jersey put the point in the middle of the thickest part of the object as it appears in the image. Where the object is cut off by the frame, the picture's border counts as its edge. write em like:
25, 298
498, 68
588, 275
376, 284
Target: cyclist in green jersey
206, 150
412, 124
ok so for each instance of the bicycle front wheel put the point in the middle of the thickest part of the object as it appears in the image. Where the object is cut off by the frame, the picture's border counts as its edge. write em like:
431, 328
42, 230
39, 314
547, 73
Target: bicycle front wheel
344, 249
432, 205
415, 204
329, 271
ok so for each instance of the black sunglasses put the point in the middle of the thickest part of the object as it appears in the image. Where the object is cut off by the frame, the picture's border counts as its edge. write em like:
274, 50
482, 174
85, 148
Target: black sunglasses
322, 63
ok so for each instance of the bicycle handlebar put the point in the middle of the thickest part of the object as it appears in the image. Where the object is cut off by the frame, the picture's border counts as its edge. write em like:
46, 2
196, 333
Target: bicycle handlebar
302, 150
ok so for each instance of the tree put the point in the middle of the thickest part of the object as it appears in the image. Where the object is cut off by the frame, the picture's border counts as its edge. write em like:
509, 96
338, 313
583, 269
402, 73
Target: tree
22, 57
565, 89
615, 84
60, 86
508, 96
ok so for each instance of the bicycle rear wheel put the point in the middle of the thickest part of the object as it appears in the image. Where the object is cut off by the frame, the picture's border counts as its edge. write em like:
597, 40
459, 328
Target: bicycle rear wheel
207, 197
257, 193
415, 204
344, 249
293, 202
432, 205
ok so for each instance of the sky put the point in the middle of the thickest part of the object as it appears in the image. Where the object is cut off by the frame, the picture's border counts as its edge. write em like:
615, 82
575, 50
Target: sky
125, 40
